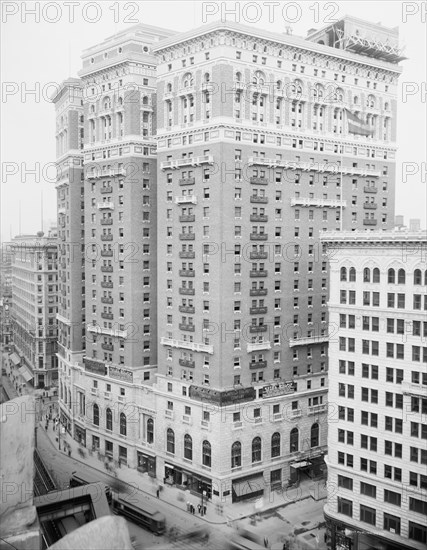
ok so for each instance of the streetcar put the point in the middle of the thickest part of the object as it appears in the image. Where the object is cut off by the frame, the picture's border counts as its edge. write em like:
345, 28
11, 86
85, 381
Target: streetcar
76, 480
142, 513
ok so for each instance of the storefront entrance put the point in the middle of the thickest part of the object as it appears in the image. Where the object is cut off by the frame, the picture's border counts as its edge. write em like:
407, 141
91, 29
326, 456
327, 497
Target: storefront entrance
80, 435
196, 484
146, 464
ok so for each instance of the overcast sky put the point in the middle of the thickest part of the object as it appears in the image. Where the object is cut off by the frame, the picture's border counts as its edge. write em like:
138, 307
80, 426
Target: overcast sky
36, 53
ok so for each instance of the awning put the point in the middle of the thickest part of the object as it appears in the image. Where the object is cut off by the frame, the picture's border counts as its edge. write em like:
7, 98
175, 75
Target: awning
15, 358
26, 373
249, 486
301, 464
169, 466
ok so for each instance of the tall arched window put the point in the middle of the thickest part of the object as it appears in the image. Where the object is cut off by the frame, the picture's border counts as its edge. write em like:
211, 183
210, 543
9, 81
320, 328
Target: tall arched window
401, 277
366, 275
417, 277
207, 77
170, 441
206, 453
238, 77
188, 447
236, 454
150, 430
391, 276
343, 274
95, 414
256, 449
145, 100
109, 419
275, 445
123, 424
376, 275
294, 440
352, 275
314, 439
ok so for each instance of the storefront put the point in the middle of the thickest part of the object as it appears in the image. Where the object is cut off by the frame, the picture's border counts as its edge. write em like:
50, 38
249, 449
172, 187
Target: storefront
195, 483
146, 464
247, 487
65, 421
80, 435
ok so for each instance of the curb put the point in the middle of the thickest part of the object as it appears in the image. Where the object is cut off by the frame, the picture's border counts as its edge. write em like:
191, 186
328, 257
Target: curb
141, 490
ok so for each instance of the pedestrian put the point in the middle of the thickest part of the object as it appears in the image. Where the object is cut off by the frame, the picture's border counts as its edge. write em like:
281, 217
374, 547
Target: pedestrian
204, 510
285, 546
69, 451
188, 506
158, 492
266, 542
193, 510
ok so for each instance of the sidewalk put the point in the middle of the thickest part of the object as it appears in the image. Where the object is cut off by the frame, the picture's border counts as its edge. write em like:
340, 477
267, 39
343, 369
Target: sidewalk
178, 498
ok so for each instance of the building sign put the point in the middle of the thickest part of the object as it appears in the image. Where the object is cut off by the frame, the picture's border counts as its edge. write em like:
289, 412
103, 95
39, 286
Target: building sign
279, 388
222, 398
97, 367
118, 373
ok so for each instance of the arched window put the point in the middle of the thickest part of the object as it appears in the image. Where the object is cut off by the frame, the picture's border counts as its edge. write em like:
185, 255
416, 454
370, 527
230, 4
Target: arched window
256, 449
370, 102
170, 441
258, 78
150, 430
294, 440
275, 445
343, 274
279, 84
391, 276
95, 414
417, 277
123, 424
188, 447
356, 100
376, 275
238, 77
236, 454
188, 80
169, 87
314, 439
352, 274
92, 108
386, 107
401, 277
207, 77
145, 100
109, 419
206, 453
366, 275
107, 103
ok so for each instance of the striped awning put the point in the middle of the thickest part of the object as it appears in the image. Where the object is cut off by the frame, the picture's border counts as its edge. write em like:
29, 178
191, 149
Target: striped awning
15, 358
26, 373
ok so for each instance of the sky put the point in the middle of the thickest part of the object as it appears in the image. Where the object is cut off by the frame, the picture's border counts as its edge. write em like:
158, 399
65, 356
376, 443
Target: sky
41, 49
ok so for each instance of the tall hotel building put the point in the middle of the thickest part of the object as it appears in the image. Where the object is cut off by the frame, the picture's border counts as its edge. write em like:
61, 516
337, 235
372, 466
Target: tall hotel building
377, 440
34, 307
68, 102
255, 159
212, 159
111, 257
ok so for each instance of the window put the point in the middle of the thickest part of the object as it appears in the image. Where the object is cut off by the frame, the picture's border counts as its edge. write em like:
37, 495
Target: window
367, 514
170, 441
123, 424
109, 419
294, 440
206, 454
188, 447
236, 455
368, 490
314, 439
392, 498
275, 445
391, 523
417, 532
150, 430
345, 507
256, 449
96, 414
